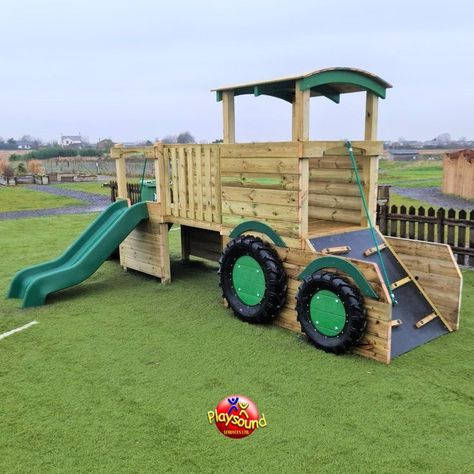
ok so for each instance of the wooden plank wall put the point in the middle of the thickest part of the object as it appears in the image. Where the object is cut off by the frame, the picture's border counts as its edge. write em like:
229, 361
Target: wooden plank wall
434, 267
261, 181
194, 191
458, 174
333, 191
146, 248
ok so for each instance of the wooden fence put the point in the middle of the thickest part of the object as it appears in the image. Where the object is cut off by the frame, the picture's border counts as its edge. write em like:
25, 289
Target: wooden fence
133, 191
455, 228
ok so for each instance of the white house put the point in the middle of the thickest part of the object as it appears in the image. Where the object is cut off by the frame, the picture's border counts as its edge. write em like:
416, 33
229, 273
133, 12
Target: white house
72, 141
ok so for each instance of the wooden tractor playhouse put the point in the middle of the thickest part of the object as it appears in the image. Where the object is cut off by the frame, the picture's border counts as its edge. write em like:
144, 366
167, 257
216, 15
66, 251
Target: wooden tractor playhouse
291, 225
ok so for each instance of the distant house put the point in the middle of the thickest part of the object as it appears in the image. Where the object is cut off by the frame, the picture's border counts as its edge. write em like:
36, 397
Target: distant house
25, 144
403, 155
72, 141
106, 144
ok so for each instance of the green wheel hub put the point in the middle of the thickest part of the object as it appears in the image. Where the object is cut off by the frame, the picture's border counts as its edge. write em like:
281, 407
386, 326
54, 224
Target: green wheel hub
248, 280
327, 313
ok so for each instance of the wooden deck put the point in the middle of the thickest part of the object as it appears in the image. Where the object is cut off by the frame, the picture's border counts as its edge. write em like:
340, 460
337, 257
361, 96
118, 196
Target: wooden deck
320, 227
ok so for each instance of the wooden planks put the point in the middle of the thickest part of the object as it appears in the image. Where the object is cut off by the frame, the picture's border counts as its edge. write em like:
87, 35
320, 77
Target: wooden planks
146, 249
436, 271
194, 187
262, 182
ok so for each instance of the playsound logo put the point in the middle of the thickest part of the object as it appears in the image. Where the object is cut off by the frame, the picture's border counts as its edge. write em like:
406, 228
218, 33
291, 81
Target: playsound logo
236, 416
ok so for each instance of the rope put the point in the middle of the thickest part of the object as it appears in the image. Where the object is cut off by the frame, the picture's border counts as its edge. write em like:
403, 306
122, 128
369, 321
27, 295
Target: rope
348, 145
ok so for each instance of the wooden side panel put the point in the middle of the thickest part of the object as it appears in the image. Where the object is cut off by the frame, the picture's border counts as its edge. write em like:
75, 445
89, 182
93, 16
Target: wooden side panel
436, 270
376, 342
146, 248
261, 182
193, 192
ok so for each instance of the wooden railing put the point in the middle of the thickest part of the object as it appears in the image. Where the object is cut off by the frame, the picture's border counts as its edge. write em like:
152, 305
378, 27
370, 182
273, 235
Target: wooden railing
455, 228
192, 172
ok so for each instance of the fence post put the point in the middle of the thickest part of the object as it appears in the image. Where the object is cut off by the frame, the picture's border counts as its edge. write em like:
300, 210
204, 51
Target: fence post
440, 215
462, 228
383, 214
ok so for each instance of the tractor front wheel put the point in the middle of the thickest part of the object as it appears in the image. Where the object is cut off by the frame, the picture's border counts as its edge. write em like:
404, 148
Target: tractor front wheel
331, 312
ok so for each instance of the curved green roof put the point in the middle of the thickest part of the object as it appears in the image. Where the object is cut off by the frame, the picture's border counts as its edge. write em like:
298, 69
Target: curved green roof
330, 83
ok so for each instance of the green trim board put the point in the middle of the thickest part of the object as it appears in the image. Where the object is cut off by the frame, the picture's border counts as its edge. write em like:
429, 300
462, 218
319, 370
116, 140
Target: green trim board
343, 265
258, 227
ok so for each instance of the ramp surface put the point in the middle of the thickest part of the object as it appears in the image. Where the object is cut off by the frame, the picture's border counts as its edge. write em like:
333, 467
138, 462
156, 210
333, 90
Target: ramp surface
411, 305
82, 258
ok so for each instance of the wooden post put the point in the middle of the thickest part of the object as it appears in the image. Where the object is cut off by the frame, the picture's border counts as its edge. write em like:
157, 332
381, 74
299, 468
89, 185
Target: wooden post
121, 171
228, 116
371, 116
369, 174
160, 176
300, 114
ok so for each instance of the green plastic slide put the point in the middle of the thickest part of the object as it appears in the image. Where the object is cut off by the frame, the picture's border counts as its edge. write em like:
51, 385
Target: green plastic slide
82, 258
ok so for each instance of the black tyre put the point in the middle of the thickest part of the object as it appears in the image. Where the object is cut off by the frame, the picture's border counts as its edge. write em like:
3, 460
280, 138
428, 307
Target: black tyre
331, 312
252, 279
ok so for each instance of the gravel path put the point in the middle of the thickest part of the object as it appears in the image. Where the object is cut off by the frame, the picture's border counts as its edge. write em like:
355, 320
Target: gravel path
435, 197
94, 203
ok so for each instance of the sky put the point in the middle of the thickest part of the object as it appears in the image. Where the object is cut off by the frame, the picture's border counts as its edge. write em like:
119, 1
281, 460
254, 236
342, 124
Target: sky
143, 69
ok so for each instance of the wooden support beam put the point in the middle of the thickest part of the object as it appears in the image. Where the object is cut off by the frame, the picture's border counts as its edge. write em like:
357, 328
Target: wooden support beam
336, 250
395, 322
121, 171
369, 176
371, 116
373, 250
228, 110
161, 176
425, 320
399, 283
300, 115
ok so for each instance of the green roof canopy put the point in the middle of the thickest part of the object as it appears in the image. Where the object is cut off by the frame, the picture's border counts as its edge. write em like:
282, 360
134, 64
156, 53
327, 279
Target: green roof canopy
330, 83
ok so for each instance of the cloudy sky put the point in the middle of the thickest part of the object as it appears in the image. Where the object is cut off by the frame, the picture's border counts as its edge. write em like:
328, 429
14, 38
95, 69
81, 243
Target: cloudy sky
135, 69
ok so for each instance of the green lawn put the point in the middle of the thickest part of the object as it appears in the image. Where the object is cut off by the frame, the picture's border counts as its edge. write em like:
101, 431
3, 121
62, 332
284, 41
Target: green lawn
121, 371
400, 200
408, 174
18, 198
95, 187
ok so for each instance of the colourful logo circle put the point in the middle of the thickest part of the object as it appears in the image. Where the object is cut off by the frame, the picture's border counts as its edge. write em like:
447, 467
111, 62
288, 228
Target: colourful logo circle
236, 416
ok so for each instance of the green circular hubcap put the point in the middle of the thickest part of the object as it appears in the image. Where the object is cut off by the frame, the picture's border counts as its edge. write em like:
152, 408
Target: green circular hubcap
248, 280
327, 313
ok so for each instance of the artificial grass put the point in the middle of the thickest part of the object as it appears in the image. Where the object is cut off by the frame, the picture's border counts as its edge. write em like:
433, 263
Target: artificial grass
121, 371
95, 187
18, 198
411, 174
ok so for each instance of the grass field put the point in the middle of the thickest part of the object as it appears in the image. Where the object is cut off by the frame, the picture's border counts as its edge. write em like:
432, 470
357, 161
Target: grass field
88, 187
121, 371
18, 198
408, 174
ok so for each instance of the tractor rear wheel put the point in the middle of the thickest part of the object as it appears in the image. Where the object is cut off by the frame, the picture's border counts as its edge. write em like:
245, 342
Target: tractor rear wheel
252, 279
331, 312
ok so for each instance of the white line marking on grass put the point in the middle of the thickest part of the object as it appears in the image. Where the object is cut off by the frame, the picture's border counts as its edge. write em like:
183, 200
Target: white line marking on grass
176, 228
21, 328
